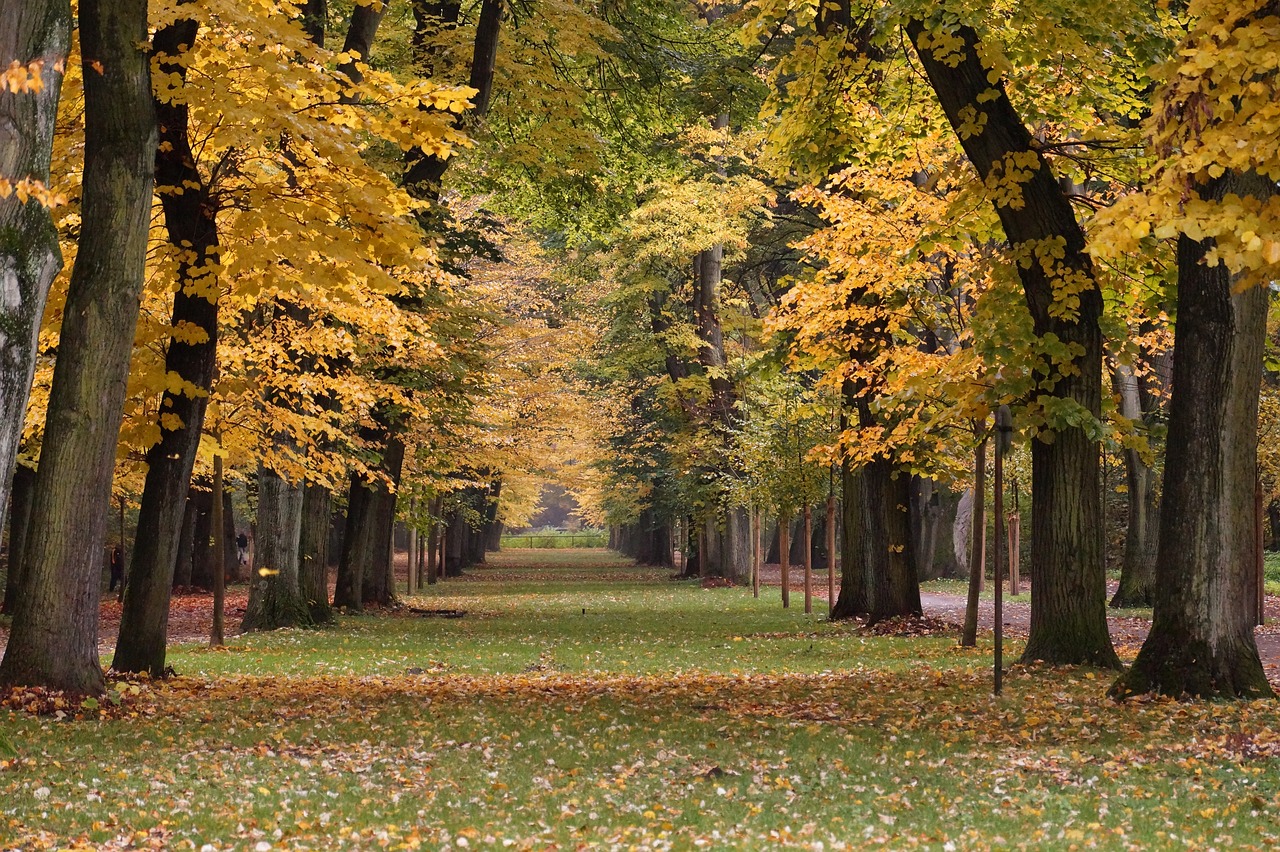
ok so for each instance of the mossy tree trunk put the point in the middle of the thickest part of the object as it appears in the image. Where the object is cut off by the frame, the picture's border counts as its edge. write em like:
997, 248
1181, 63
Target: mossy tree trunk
54, 639
33, 31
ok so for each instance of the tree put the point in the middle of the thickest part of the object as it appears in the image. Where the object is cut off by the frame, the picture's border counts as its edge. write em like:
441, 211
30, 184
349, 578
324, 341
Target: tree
33, 53
1215, 191
55, 637
1068, 609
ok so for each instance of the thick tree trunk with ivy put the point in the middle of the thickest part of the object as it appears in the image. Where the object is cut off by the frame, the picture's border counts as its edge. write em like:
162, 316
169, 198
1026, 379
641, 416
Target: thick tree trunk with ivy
275, 598
190, 222
1068, 572
33, 31
1142, 534
1201, 642
24, 484
54, 639
313, 552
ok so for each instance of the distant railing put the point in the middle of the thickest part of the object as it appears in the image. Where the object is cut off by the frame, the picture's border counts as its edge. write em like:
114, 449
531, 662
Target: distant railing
552, 541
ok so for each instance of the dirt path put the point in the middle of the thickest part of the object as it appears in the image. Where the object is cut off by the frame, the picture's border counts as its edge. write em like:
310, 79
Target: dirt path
1127, 632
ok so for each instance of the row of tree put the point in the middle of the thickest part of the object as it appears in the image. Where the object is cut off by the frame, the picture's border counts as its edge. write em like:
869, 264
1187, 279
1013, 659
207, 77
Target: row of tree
693, 260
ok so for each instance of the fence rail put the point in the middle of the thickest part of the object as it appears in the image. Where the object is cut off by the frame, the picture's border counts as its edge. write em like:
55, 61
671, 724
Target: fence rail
552, 541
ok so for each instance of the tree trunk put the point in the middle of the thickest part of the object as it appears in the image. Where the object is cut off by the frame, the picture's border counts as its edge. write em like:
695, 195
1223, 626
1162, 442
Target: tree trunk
275, 599
357, 545
217, 524
1141, 539
855, 591
1068, 571
24, 483
433, 541
206, 558
30, 259
54, 639
887, 540
977, 547
231, 558
313, 553
186, 541
1201, 641
190, 219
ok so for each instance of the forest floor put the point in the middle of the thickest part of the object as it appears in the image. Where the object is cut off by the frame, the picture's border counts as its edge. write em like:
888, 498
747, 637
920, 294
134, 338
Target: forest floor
582, 702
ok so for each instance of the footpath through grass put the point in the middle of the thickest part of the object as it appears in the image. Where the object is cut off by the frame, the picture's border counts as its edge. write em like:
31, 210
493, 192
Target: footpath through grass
664, 716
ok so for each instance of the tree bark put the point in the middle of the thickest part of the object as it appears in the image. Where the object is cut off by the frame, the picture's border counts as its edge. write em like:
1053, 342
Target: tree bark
54, 639
1201, 642
1141, 538
855, 590
190, 219
977, 546
206, 557
275, 599
30, 258
24, 482
186, 543
1068, 572
313, 553
890, 554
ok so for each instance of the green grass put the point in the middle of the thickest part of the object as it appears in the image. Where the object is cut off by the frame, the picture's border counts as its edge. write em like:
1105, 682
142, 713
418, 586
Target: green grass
556, 539
666, 716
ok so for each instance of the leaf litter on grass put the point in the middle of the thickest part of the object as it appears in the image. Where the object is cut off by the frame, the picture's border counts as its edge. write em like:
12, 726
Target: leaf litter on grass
901, 746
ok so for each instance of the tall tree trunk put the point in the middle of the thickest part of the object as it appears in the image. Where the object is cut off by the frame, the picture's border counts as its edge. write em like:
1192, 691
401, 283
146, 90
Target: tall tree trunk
1068, 571
275, 599
977, 546
186, 543
855, 590
1141, 538
33, 32
231, 556
24, 483
377, 587
887, 538
1201, 641
313, 552
206, 558
54, 639
190, 219
357, 546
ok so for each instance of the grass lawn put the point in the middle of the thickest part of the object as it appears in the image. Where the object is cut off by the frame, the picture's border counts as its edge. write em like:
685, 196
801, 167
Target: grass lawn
664, 716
